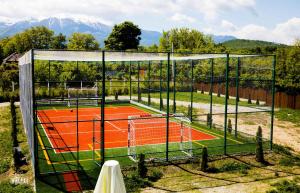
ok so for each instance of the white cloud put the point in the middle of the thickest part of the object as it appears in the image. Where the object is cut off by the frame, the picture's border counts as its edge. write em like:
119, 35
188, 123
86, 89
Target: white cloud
211, 9
182, 18
228, 26
116, 10
285, 32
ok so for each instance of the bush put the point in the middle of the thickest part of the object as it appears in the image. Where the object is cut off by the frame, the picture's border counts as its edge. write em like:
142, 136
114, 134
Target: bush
285, 187
7, 187
249, 99
155, 175
126, 91
259, 146
234, 166
133, 182
4, 165
204, 160
149, 99
116, 96
229, 126
142, 169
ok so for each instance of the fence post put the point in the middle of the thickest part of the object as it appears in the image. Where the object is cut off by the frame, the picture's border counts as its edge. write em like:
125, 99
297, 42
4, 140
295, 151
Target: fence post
174, 87
273, 101
149, 68
160, 86
237, 97
102, 109
211, 91
130, 86
168, 107
138, 77
192, 90
226, 104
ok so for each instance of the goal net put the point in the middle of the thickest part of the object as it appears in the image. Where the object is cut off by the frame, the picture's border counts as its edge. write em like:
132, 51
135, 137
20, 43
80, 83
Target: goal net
85, 96
147, 134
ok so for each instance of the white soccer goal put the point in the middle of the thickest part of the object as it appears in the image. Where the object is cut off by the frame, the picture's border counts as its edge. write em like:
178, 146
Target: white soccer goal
147, 134
85, 95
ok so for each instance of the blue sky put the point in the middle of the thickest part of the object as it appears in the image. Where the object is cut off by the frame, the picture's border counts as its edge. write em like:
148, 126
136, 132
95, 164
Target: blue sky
270, 20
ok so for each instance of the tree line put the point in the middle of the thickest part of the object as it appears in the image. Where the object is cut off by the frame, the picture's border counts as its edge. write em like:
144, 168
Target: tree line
126, 36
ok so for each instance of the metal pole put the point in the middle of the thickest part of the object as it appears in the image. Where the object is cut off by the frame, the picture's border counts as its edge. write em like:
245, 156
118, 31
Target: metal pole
77, 123
34, 116
226, 104
168, 109
139, 92
174, 86
192, 91
149, 82
93, 154
160, 86
211, 91
237, 74
102, 109
49, 79
130, 80
273, 101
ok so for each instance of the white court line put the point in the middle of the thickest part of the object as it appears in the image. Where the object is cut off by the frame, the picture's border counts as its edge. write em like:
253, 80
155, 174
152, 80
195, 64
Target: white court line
112, 124
115, 126
46, 134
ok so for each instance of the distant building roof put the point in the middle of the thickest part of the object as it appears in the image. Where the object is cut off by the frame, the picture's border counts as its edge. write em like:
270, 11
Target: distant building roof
14, 57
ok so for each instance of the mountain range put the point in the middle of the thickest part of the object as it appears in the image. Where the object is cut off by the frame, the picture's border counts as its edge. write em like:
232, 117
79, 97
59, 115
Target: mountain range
68, 26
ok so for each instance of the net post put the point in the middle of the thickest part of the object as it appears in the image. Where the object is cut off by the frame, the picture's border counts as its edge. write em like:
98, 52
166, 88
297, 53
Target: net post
237, 95
192, 91
273, 100
102, 109
130, 86
174, 87
168, 108
226, 104
211, 91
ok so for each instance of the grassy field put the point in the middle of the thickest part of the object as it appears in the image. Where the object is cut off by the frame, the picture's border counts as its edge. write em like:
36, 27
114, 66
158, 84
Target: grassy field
6, 153
198, 97
290, 115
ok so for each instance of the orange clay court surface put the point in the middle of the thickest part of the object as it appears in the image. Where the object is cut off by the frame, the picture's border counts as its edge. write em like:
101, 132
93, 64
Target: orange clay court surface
62, 136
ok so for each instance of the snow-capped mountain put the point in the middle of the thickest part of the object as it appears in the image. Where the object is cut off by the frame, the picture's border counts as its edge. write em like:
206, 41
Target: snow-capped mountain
68, 26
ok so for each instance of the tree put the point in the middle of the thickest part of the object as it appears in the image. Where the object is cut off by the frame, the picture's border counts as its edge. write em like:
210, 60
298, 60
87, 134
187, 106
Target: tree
297, 43
124, 36
58, 42
204, 160
1, 54
38, 37
259, 146
186, 40
82, 41
142, 169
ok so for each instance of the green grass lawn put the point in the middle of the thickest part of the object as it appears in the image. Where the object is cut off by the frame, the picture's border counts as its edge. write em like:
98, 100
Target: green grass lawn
198, 97
291, 115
